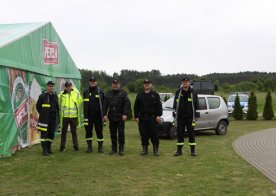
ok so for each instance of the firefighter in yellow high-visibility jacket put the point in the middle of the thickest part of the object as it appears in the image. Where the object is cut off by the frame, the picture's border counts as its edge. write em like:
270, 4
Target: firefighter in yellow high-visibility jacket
69, 102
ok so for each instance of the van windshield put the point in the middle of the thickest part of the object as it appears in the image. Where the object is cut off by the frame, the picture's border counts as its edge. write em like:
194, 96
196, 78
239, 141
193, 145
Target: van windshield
243, 98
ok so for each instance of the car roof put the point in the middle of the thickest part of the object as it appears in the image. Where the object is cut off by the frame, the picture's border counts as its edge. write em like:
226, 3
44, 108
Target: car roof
203, 95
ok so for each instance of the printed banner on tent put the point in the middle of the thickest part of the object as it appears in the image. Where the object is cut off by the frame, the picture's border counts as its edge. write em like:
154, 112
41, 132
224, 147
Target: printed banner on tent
24, 90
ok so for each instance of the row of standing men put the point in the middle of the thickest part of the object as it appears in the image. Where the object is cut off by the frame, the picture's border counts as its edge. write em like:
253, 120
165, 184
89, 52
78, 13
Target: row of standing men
114, 107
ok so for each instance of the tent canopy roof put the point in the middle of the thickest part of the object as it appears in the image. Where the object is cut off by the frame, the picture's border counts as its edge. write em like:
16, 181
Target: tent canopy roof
36, 47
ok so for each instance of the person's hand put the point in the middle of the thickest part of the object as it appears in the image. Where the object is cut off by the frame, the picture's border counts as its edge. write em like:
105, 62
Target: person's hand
174, 114
124, 117
137, 120
158, 119
105, 118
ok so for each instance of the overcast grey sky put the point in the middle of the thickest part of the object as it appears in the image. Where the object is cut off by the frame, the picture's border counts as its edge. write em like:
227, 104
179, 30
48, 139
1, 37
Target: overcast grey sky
173, 36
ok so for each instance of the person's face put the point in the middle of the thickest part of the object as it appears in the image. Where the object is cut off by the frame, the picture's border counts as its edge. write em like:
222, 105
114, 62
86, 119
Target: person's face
185, 83
92, 83
50, 88
115, 86
68, 88
147, 86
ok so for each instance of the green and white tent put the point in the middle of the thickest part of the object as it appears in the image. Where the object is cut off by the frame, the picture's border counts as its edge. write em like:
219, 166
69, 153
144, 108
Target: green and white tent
30, 55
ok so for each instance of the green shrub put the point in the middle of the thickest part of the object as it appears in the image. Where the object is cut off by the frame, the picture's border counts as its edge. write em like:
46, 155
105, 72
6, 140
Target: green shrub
237, 113
268, 113
252, 113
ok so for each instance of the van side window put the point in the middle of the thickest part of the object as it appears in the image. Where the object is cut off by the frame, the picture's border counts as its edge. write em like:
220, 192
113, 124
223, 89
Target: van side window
214, 102
202, 103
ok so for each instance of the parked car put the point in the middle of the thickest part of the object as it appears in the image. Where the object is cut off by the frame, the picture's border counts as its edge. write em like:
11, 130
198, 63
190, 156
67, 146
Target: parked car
243, 102
213, 116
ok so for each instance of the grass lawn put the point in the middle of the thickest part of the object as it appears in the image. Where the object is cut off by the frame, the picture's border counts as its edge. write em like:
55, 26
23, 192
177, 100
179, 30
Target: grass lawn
217, 170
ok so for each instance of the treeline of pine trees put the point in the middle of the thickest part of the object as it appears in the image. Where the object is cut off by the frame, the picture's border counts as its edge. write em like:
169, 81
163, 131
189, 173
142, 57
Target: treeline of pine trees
132, 80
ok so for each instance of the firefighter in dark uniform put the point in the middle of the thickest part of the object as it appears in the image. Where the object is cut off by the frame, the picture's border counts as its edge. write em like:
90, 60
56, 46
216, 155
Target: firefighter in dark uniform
93, 98
116, 109
147, 112
47, 107
185, 105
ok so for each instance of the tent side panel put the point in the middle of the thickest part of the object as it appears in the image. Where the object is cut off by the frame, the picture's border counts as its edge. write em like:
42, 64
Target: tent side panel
19, 93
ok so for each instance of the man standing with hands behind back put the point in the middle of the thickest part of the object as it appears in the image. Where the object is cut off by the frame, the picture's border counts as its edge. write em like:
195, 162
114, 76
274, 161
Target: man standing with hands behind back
116, 109
147, 112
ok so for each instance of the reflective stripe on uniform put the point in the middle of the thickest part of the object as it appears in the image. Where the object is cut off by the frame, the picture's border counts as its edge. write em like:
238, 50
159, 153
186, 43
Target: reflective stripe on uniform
100, 140
97, 96
91, 138
192, 144
193, 124
189, 99
46, 105
42, 124
85, 99
42, 128
49, 140
43, 140
180, 143
85, 123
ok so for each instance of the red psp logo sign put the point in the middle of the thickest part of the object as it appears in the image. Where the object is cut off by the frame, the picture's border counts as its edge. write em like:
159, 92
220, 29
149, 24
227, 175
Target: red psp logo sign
50, 52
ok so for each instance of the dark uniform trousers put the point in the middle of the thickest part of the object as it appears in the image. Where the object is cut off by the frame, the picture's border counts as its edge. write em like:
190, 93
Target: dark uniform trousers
148, 129
114, 127
96, 121
181, 125
48, 136
73, 128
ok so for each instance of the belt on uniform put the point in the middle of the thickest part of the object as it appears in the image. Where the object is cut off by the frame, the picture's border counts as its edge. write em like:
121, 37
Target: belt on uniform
147, 115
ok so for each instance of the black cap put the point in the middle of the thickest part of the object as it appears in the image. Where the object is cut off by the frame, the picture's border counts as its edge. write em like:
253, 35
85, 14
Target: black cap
92, 79
68, 84
185, 79
50, 83
147, 81
116, 81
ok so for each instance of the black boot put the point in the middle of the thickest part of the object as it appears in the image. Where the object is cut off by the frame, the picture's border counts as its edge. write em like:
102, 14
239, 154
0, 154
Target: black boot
44, 149
76, 148
145, 150
100, 147
113, 149
62, 149
155, 151
49, 148
121, 150
179, 151
89, 146
193, 153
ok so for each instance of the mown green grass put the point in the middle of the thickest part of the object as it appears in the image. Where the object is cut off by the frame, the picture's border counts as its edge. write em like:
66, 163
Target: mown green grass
217, 170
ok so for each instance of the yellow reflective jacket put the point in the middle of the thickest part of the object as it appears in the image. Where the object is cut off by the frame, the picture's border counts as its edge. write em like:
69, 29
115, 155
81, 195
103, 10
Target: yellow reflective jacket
70, 105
